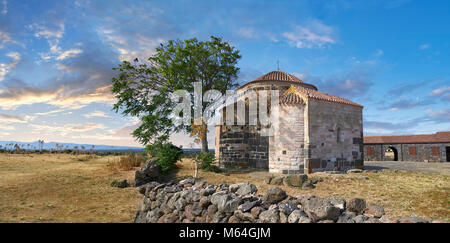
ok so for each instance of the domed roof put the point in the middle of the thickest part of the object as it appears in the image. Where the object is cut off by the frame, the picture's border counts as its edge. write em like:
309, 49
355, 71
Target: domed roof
280, 76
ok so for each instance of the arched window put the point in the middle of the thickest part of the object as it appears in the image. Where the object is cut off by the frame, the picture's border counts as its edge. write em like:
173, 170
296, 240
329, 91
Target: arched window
338, 135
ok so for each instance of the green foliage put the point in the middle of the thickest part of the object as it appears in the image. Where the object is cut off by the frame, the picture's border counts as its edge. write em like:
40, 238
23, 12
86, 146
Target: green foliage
206, 162
167, 154
142, 89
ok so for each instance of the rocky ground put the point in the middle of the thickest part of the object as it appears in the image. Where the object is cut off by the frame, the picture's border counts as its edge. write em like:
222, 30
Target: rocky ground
190, 201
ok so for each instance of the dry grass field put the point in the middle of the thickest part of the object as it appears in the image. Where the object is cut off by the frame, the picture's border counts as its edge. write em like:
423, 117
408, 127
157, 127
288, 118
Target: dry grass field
63, 188
67, 188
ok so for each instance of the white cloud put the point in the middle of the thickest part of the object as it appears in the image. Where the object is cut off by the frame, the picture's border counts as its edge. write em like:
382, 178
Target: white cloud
58, 98
95, 114
4, 38
424, 46
48, 33
66, 129
4, 7
6, 68
5, 118
247, 32
69, 54
440, 91
314, 34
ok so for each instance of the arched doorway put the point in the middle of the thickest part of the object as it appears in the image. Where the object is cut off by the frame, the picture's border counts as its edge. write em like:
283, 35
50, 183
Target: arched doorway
391, 154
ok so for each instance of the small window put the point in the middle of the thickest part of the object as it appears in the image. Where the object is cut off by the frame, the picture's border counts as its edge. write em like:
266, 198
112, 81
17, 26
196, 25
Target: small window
435, 151
284, 151
338, 135
370, 150
412, 151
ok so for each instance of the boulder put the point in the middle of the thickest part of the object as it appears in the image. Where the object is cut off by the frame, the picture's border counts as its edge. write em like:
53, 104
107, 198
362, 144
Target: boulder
295, 180
230, 205
374, 211
356, 205
256, 211
320, 209
337, 202
246, 188
247, 206
120, 184
307, 185
274, 195
277, 180
150, 171
296, 215
346, 217
287, 207
354, 171
270, 216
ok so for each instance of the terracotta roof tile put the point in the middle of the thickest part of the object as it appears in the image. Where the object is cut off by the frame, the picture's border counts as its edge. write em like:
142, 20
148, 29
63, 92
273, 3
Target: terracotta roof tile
279, 76
439, 137
289, 96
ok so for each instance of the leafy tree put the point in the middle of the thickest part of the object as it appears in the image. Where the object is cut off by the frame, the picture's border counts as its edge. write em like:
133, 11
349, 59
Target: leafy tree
143, 89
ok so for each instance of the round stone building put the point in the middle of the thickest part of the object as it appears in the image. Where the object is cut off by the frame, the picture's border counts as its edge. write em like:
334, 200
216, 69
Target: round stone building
280, 123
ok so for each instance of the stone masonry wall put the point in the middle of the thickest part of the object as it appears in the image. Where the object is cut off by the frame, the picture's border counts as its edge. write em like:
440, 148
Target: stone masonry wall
287, 145
243, 146
423, 152
324, 150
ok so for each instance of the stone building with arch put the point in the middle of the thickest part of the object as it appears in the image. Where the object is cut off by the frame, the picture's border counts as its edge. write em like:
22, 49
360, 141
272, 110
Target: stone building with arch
422, 147
312, 131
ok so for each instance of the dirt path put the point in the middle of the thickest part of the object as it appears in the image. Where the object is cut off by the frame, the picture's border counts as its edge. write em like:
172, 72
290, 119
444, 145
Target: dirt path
435, 168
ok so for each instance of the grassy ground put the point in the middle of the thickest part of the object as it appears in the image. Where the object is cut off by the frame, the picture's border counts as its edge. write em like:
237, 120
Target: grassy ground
65, 188
401, 193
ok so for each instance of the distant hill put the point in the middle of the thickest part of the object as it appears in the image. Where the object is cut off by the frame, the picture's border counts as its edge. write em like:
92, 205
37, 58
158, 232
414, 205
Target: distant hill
52, 145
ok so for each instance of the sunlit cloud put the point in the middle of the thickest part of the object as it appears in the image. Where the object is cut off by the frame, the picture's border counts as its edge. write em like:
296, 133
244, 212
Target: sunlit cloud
95, 114
314, 34
5, 68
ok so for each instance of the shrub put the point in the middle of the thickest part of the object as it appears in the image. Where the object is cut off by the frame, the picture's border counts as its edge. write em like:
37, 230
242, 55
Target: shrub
206, 162
127, 162
166, 153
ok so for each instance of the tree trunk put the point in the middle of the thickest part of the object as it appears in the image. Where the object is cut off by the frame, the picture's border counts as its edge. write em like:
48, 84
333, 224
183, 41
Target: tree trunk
204, 139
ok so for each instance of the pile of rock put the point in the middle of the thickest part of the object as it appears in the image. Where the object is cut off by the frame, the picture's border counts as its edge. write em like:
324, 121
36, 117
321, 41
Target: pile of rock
296, 180
150, 171
189, 201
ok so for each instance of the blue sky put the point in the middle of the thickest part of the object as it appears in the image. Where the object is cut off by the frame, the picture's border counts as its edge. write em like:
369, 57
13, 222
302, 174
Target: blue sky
56, 58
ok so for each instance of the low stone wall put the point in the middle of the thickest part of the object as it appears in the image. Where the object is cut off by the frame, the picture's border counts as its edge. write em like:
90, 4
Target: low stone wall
200, 202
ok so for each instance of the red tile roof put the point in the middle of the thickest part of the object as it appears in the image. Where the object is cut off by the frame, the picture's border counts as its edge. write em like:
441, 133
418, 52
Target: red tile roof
295, 94
279, 76
439, 137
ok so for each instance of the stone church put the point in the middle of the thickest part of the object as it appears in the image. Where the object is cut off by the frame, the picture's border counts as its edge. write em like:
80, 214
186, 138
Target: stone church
314, 131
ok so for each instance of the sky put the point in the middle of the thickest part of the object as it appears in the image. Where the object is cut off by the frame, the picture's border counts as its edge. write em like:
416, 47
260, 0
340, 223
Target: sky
56, 58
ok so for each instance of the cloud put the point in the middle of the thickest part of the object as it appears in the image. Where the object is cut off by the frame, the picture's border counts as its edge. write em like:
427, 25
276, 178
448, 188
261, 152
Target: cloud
354, 83
69, 54
67, 128
314, 34
443, 91
247, 32
424, 46
439, 116
48, 32
5, 118
6, 68
95, 114
4, 7
409, 103
5, 37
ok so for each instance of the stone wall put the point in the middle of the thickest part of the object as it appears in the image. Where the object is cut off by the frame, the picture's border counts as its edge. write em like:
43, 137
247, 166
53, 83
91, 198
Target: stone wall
423, 152
191, 201
334, 136
243, 146
286, 149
